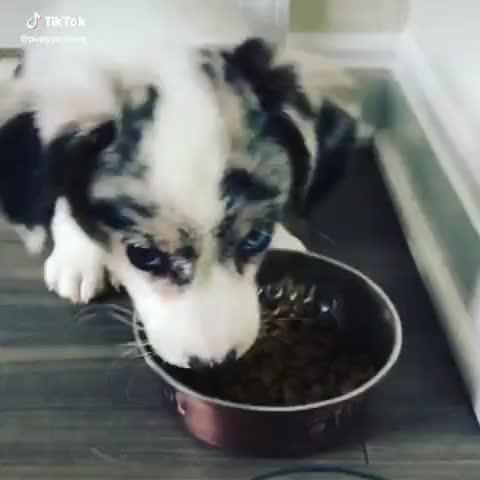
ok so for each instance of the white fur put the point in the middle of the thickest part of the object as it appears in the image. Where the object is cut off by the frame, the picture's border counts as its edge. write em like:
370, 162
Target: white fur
190, 145
75, 268
34, 239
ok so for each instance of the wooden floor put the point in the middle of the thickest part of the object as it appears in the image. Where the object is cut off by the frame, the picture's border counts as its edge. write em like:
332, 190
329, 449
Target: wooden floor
71, 407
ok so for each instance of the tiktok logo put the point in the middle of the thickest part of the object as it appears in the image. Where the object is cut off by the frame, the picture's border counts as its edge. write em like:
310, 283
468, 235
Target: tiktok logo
32, 23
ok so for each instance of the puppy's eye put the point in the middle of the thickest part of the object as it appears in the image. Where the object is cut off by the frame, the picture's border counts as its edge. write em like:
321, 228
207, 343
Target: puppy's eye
149, 259
257, 240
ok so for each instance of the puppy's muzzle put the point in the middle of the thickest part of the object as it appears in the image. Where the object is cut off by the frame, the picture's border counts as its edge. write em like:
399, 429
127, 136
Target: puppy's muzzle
212, 322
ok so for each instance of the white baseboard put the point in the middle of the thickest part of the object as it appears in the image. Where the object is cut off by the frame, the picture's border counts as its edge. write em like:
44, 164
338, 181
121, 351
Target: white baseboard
452, 135
455, 141
352, 50
457, 318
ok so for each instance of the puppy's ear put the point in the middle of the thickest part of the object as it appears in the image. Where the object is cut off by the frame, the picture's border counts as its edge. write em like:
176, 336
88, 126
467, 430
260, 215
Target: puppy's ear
75, 143
336, 134
75, 158
329, 116
253, 64
25, 187
308, 106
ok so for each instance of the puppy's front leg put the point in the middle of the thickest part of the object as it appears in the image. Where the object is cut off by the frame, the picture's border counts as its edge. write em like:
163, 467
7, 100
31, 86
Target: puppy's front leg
76, 267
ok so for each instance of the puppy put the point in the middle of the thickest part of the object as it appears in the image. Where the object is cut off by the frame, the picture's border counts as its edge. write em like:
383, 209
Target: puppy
168, 157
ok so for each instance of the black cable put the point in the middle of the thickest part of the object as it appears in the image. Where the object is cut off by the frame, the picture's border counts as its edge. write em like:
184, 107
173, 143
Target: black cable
316, 469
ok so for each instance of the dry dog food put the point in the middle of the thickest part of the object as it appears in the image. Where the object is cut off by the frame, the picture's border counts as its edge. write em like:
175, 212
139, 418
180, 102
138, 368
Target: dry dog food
296, 360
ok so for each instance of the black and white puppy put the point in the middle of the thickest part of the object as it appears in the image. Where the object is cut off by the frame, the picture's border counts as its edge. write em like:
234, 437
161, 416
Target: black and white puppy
152, 153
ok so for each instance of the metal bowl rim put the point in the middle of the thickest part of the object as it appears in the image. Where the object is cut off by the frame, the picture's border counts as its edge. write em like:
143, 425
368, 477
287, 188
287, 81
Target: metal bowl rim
379, 376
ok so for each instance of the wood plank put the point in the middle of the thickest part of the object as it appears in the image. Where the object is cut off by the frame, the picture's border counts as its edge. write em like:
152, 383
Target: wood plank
19, 271
96, 383
435, 470
7, 234
229, 469
423, 413
56, 412
32, 326
15, 297
118, 436
6, 231
425, 433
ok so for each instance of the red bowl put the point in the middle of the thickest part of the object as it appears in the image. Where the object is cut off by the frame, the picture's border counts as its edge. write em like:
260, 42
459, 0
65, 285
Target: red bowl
367, 316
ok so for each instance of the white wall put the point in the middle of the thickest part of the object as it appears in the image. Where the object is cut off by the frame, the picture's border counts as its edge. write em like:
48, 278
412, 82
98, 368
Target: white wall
269, 18
448, 31
348, 16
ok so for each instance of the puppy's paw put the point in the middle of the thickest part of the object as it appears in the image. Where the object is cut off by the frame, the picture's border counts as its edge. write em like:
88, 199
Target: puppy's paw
76, 276
75, 269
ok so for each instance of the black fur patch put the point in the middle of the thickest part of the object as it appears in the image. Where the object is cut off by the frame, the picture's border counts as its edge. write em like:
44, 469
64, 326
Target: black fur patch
183, 265
74, 159
274, 85
18, 70
241, 188
132, 123
277, 86
209, 70
206, 64
229, 237
336, 133
120, 213
240, 184
26, 189
281, 129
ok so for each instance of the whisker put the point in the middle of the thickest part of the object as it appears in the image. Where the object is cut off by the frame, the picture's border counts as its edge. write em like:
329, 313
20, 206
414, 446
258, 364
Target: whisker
117, 312
121, 319
84, 317
326, 237
130, 353
126, 356
120, 309
84, 313
136, 345
133, 354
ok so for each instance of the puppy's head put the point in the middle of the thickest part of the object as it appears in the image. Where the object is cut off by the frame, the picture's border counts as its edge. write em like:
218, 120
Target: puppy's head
183, 189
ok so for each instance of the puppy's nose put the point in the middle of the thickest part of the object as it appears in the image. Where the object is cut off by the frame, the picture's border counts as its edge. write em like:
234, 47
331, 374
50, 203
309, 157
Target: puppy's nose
199, 365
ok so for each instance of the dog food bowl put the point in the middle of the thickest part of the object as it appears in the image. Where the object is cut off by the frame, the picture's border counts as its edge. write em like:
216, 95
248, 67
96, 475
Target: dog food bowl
363, 312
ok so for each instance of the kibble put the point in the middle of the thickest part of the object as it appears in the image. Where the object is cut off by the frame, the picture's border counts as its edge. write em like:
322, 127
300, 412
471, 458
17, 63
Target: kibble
296, 360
